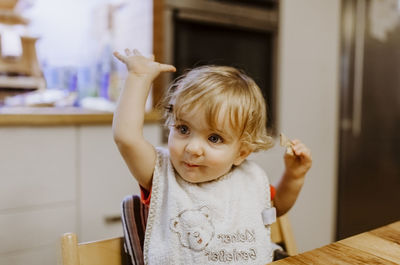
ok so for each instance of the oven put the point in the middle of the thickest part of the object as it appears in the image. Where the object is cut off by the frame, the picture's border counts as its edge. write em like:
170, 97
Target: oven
240, 34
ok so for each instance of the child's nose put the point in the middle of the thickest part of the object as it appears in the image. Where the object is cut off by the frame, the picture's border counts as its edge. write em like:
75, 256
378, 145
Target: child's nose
194, 147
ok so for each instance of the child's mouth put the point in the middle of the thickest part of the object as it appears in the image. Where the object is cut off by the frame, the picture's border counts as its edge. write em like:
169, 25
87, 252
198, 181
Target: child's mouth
191, 165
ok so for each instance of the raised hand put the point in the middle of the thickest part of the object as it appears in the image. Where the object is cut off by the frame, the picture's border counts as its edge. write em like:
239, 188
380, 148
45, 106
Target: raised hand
142, 66
300, 161
138, 153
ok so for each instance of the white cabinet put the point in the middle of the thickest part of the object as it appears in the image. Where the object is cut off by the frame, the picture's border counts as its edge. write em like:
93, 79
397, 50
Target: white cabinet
104, 181
38, 166
37, 192
31, 235
56, 180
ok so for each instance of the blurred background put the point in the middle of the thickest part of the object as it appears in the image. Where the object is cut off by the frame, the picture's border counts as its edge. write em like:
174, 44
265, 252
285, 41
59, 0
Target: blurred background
328, 71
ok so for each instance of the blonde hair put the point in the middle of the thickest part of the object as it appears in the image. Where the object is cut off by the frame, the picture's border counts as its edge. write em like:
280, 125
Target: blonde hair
221, 88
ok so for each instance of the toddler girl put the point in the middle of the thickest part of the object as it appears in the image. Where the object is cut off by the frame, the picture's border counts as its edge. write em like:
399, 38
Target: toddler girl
209, 204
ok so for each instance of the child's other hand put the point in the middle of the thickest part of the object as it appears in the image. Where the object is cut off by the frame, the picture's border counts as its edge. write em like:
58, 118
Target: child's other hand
298, 163
142, 66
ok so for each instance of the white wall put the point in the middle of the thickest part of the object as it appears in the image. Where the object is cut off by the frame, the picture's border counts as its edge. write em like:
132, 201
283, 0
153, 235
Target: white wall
72, 32
308, 110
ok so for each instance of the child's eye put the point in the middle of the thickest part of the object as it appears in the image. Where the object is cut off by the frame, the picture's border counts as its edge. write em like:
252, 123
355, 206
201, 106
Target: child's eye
182, 129
215, 138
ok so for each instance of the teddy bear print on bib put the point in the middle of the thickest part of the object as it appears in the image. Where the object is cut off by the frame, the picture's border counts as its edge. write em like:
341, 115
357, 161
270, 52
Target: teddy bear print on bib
194, 228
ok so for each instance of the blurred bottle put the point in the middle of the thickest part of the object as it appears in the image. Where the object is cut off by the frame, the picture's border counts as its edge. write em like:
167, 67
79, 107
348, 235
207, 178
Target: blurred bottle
104, 67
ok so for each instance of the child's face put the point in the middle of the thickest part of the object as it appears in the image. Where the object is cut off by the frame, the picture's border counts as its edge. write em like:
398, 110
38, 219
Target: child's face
199, 153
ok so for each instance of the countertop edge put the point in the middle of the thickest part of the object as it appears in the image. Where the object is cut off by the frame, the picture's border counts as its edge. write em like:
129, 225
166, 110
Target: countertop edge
61, 117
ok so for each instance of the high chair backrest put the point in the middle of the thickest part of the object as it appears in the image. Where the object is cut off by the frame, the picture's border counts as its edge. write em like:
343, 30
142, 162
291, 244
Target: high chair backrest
282, 234
111, 251
134, 216
103, 252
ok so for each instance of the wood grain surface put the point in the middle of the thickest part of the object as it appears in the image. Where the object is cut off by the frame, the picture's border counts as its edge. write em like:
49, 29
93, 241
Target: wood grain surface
379, 246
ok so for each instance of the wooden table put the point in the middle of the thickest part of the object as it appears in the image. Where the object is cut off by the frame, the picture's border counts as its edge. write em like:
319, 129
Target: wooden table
379, 246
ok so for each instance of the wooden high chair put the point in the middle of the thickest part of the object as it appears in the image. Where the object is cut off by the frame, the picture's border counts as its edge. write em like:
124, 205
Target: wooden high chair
102, 252
111, 251
282, 234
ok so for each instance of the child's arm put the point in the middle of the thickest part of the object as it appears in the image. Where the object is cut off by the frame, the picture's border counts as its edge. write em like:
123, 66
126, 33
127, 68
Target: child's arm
128, 120
289, 186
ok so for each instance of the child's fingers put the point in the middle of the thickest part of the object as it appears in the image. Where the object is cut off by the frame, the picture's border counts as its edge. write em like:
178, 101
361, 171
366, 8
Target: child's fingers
137, 52
127, 52
119, 56
296, 142
300, 149
167, 68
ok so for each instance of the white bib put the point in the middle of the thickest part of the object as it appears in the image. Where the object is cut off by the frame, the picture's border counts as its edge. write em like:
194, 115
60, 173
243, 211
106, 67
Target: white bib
217, 222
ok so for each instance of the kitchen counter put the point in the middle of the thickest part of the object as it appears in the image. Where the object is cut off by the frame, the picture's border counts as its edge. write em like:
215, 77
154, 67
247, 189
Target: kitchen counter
57, 164
50, 116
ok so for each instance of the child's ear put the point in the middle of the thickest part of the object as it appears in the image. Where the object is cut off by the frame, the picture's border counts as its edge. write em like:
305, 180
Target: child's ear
244, 152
